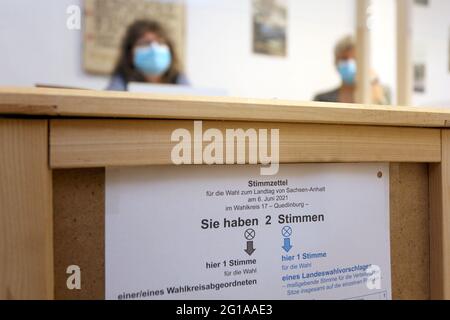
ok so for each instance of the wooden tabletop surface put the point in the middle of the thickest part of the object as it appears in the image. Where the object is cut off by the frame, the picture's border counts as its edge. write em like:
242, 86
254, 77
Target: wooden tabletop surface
53, 102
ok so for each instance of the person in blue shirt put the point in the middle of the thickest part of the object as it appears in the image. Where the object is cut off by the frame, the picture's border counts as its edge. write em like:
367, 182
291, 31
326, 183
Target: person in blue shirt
147, 55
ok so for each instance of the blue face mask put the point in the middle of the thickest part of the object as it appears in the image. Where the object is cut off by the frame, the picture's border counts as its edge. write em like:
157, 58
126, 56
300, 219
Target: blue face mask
347, 70
153, 60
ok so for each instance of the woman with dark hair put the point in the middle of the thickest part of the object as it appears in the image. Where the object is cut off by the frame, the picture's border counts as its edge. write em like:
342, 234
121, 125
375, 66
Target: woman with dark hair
147, 55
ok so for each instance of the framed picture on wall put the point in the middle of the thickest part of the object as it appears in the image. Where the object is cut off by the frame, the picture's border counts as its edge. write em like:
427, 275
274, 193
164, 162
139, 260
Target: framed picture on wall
424, 3
269, 27
420, 66
420, 70
106, 22
449, 49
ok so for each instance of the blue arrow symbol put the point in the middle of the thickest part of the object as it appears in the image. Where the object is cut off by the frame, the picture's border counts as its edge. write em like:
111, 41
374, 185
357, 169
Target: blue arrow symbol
287, 244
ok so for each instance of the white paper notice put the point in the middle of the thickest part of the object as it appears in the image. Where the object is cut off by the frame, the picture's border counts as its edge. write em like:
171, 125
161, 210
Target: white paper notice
313, 231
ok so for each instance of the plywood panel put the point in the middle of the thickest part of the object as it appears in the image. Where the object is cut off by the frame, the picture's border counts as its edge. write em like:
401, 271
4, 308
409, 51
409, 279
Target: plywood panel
26, 243
79, 208
100, 143
410, 242
79, 231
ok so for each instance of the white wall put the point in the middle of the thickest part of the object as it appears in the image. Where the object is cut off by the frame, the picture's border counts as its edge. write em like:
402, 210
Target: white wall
37, 47
431, 27
220, 52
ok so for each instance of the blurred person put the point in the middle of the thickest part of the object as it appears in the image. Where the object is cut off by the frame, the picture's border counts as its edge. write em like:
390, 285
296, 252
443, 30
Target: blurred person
345, 61
147, 55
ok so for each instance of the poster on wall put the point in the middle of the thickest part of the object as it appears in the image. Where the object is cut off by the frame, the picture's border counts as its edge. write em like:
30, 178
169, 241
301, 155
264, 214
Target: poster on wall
421, 2
420, 67
269, 27
420, 70
106, 22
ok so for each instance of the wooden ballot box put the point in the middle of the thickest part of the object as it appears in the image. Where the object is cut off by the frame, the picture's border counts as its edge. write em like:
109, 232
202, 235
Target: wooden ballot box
55, 145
